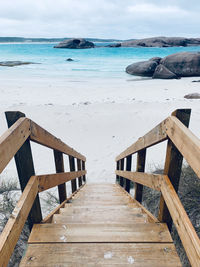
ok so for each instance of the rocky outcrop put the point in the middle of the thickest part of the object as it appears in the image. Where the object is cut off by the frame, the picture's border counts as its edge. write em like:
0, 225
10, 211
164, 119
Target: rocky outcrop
14, 63
114, 45
75, 44
161, 72
69, 59
184, 64
144, 68
162, 42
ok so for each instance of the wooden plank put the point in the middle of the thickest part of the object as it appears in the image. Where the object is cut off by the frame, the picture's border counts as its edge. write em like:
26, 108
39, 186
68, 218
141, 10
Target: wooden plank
79, 168
128, 168
50, 180
155, 136
141, 158
83, 168
121, 167
183, 225
15, 224
42, 137
117, 168
12, 140
173, 166
25, 166
49, 217
97, 254
147, 179
72, 169
185, 141
59, 163
70, 233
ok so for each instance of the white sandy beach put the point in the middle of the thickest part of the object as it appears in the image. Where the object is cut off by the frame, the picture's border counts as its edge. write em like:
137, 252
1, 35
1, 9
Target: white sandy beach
98, 118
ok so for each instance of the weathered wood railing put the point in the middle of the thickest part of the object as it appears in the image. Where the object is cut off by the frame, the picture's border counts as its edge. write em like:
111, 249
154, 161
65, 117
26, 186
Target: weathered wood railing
16, 142
181, 143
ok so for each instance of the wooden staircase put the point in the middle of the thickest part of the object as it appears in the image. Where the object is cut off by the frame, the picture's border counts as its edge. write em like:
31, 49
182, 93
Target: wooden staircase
101, 226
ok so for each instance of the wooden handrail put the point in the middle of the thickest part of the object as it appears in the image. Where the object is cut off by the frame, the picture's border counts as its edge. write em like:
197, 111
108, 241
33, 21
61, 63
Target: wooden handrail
147, 179
50, 180
15, 224
186, 142
182, 222
12, 140
43, 137
155, 136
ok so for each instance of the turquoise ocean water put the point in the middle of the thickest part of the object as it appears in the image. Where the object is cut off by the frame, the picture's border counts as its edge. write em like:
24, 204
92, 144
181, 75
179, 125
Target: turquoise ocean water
101, 62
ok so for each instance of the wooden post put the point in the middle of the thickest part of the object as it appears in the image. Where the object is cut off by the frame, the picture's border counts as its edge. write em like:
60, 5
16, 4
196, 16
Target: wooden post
72, 169
117, 176
173, 165
121, 167
79, 169
59, 163
25, 168
83, 169
141, 157
128, 168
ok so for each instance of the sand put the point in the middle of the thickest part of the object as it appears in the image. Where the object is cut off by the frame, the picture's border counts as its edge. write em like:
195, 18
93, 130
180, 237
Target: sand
98, 118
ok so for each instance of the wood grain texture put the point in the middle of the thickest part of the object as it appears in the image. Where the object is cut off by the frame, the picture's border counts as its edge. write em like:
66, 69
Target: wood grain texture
59, 164
173, 166
147, 179
183, 225
97, 254
142, 233
12, 140
15, 224
186, 142
155, 136
50, 180
141, 159
43, 137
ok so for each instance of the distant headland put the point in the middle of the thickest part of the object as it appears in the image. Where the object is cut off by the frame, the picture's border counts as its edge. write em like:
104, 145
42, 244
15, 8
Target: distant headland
145, 42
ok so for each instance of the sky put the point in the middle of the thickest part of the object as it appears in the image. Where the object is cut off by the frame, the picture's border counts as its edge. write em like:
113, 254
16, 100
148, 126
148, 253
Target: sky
120, 19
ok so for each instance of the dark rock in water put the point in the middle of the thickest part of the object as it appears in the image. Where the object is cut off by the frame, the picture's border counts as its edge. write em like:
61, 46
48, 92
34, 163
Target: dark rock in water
75, 44
14, 63
161, 72
114, 45
192, 96
156, 59
69, 59
185, 64
196, 81
162, 42
144, 68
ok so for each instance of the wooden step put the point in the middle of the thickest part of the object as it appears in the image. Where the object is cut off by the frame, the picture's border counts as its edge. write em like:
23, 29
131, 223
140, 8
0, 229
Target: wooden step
68, 233
101, 254
99, 209
101, 218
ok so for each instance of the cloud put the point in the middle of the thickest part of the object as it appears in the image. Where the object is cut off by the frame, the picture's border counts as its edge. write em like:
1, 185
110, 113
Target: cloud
105, 18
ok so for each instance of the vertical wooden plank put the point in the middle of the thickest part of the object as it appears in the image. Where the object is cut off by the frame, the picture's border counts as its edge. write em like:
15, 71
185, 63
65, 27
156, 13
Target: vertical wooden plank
83, 169
79, 169
128, 168
173, 165
25, 168
59, 164
117, 168
121, 167
141, 158
72, 169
